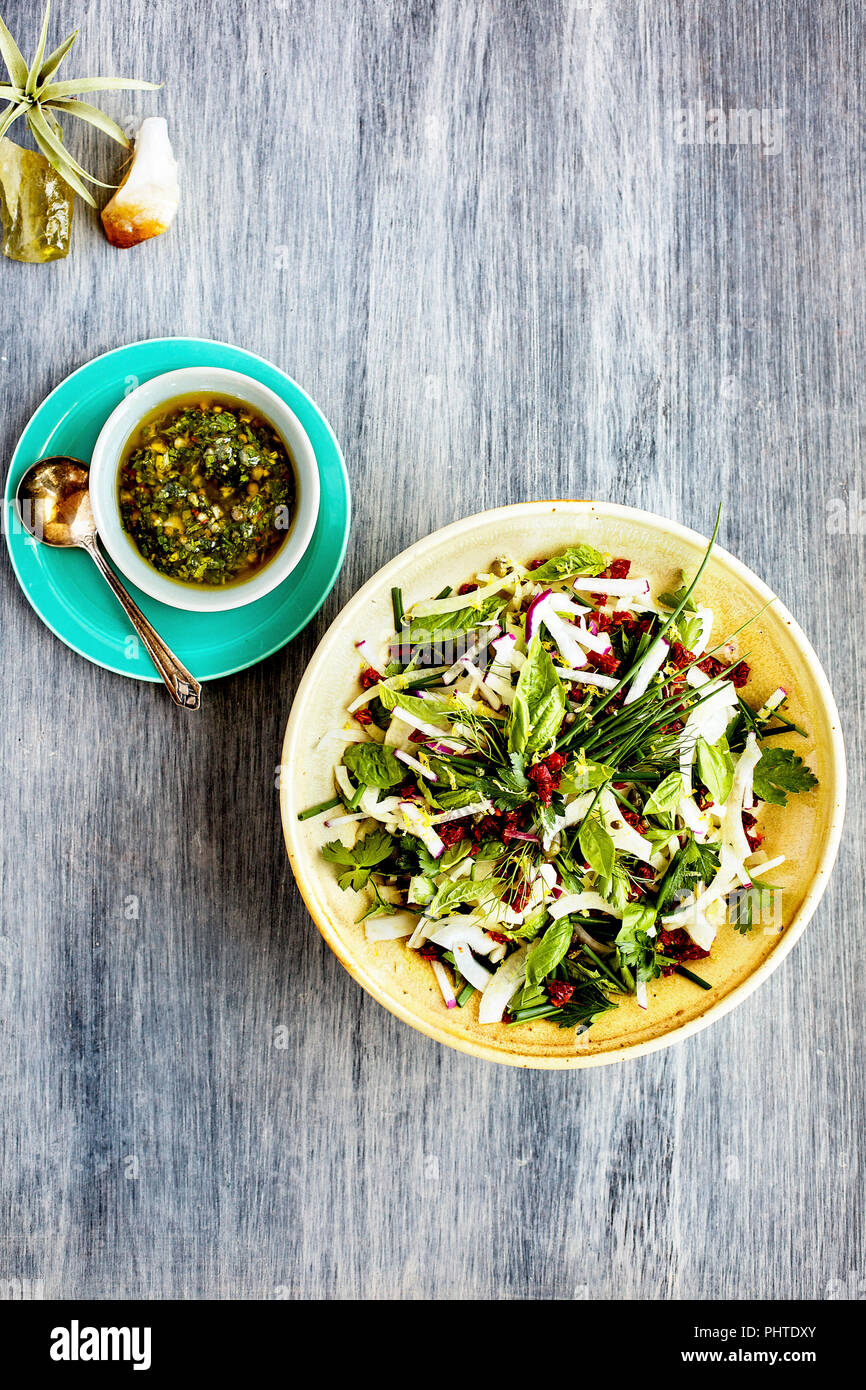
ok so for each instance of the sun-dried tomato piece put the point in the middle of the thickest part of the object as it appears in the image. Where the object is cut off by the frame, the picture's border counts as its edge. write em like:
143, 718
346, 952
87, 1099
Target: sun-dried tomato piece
605, 662
451, 832
546, 775
680, 656
740, 674
467, 588
369, 676
363, 716
754, 837
679, 945
559, 992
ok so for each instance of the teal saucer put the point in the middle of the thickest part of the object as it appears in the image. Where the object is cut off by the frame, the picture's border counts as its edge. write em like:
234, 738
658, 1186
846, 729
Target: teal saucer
64, 586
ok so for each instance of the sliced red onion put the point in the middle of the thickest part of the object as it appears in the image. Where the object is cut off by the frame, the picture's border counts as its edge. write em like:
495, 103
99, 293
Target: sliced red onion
618, 588
416, 766
450, 747
444, 984
406, 718
593, 641
533, 616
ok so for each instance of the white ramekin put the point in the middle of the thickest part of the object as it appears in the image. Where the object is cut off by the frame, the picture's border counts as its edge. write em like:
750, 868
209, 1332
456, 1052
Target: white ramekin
105, 462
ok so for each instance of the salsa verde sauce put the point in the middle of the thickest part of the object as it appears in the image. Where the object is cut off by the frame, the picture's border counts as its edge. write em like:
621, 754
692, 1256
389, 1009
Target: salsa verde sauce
207, 490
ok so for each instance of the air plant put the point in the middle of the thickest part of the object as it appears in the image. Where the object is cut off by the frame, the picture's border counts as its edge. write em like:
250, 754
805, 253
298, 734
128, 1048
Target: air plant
35, 94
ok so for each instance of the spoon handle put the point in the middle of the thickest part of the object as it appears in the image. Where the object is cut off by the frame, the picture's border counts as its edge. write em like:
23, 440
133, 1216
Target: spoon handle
183, 688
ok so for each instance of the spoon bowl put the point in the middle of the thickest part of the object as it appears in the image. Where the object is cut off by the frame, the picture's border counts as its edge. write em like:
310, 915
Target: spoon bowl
53, 502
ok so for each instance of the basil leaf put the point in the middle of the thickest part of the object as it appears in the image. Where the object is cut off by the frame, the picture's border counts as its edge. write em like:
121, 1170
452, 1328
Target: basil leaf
539, 703
596, 846
578, 559
373, 765
666, 796
460, 620
715, 769
549, 951
452, 895
431, 711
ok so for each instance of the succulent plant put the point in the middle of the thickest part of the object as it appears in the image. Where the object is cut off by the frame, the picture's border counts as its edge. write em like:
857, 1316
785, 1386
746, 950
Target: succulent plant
33, 92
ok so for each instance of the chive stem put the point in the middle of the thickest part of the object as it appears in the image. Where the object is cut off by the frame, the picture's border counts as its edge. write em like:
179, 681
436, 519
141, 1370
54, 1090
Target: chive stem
317, 810
695, 979
397, 605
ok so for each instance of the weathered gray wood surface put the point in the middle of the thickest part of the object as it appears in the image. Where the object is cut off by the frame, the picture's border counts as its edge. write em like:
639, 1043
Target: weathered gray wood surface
470, 231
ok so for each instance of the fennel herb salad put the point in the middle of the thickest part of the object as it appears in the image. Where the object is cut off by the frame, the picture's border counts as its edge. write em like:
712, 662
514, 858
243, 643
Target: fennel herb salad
550, 786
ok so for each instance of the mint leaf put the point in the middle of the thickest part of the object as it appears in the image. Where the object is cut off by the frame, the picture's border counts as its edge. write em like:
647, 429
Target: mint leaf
779, 771
373, 765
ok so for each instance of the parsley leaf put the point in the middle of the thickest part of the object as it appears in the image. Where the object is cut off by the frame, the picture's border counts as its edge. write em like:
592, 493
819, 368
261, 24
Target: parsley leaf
779, 771
361, 859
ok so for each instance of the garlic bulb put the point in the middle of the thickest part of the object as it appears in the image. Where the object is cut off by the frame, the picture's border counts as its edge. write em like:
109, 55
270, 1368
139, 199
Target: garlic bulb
146, 202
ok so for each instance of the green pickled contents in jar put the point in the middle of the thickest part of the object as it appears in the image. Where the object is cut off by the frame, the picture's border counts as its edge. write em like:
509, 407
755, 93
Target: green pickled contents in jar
207, 491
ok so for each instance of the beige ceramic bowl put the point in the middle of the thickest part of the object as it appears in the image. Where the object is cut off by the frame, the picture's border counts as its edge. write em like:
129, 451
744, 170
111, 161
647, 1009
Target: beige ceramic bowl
807, 832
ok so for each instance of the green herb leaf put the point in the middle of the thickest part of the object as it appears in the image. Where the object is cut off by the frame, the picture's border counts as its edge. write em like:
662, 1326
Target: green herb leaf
465, 890
715, 769
373, 765
780, 771
666, 797
460, 620
597, 847
691, 864
578, 559
546, 955
637, 951
362, 858
539, 703
432, 711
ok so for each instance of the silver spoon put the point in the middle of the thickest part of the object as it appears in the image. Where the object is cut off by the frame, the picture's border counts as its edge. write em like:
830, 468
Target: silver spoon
54, 505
